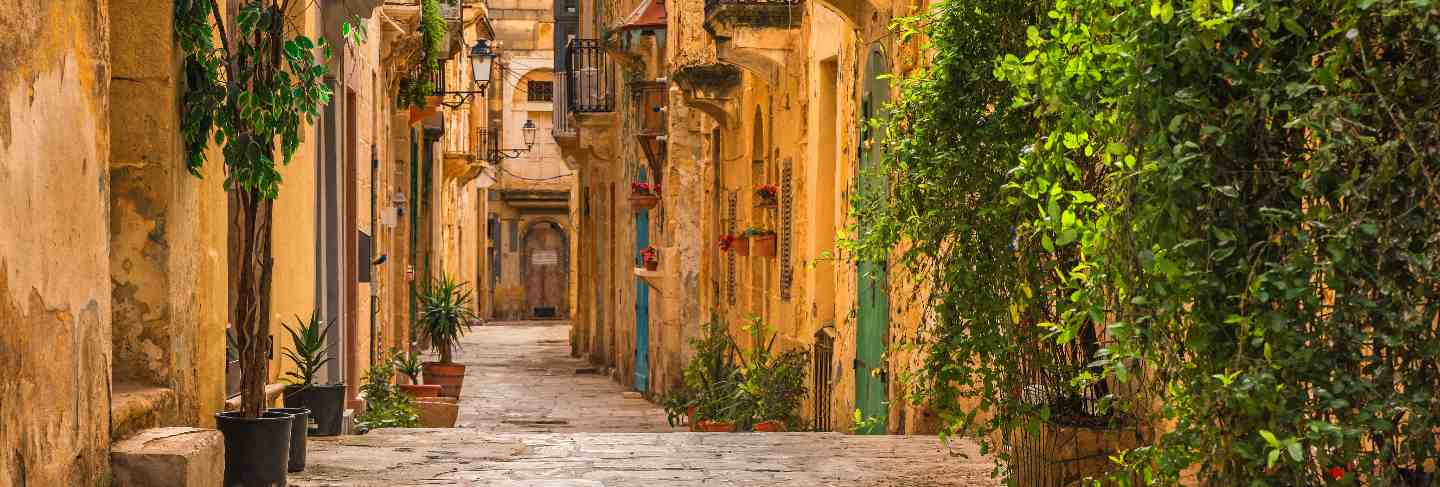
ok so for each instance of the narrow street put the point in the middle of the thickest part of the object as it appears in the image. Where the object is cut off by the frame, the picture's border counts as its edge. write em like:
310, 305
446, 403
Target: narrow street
532, 415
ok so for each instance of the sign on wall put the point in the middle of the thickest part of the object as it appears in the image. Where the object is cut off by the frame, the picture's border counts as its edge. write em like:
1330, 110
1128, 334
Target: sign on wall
545, 257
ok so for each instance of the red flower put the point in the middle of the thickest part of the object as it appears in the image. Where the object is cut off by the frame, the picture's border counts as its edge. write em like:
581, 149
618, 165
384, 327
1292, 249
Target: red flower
1337, 473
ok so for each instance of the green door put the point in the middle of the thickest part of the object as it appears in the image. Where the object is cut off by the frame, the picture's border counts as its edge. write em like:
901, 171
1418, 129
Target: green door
873, 317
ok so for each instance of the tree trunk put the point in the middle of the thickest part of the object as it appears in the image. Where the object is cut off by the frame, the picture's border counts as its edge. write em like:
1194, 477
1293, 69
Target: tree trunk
250, 275
446, 356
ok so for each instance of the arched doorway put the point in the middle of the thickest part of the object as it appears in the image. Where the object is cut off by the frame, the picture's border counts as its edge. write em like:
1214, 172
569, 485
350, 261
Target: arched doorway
544, 268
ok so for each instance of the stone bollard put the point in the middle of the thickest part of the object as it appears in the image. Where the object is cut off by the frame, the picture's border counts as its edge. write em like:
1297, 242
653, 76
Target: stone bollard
166, 457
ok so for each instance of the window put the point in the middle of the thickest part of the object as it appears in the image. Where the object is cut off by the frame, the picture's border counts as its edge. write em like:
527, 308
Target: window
540, 90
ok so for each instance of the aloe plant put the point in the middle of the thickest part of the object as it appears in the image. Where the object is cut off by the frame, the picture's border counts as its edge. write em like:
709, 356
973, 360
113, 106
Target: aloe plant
444, 313
408, 364
307, 349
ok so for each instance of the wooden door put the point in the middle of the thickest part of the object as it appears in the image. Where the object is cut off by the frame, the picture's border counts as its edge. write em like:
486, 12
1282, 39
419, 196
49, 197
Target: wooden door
873, 317
545, 270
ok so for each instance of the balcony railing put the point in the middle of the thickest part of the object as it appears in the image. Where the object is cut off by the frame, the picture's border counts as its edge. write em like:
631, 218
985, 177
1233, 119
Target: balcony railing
561, 125
755, 13
590, 81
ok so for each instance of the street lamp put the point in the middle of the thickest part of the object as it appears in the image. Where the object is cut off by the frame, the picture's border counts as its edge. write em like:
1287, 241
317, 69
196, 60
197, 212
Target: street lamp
482, 59
528, 131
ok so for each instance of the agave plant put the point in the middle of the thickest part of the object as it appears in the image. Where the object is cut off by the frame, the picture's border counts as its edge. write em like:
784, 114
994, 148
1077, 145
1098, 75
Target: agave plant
408, 364
307, 349
444, 314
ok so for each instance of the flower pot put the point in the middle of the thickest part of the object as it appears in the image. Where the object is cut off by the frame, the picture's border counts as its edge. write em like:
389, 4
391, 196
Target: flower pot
325, 402
420, 390
438, 412
644, 201
771, 426
450, 377
299, 430
707, 426
763, 246
651, 265
741, 247
257, 451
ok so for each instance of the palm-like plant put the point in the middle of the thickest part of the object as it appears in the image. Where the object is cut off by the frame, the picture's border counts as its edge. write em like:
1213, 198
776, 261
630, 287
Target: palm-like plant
444, 313
408, 364
307, 349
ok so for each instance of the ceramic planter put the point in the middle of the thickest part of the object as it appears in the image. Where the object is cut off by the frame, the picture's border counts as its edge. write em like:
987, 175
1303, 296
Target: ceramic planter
707, 426
299, 430
652, 265
644, 201
771, 426
257, 451
420, 390
741, 247
763, 245
325, 402
438, 412
450, 377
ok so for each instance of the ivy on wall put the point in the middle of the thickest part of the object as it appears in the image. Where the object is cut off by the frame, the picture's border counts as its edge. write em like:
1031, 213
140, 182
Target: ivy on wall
1225, 209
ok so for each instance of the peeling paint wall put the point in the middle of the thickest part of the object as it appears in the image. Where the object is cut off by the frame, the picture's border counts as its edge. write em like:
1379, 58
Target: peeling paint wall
55, 303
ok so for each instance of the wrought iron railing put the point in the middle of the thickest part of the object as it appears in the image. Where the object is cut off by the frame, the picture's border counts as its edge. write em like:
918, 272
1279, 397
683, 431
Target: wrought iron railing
591, 82
561, 125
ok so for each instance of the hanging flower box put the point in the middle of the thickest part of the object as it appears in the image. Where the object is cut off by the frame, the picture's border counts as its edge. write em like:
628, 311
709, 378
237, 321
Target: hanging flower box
767, 196
651, 258
644, 195
740, 245
727, 243
762, 241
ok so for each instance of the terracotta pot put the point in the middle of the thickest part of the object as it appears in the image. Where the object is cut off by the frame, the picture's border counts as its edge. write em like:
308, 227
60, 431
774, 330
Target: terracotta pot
741, 247
644, 201
450, 377
763, 246
438, 412
651, 265
707, 426
771, 426
421, 390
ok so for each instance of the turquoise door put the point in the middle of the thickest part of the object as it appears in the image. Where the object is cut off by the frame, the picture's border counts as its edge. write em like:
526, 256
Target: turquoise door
642, 304
873, 316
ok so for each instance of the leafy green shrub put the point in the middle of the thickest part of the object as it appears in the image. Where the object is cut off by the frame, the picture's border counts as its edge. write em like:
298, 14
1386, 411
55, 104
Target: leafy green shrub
710, 378
1224, 209
722, 384
444, 314
307, 349
385, 405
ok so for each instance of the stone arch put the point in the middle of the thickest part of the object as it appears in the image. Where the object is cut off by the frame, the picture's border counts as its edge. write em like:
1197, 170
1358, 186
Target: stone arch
544, 268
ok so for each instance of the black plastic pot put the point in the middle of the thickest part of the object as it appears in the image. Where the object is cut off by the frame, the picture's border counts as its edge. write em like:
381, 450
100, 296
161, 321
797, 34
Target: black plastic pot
257, 451
325, 402
299, 429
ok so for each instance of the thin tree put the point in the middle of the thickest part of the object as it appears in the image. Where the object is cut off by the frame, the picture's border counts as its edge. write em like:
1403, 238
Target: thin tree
250, 85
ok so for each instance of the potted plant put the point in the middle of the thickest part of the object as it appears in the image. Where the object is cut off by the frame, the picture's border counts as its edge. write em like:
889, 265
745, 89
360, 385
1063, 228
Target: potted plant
762, 241
772, 385
225, 79
767, 196
385, 406
644, 195
706, 397
307, 351
408, 364
650, 257
444, 314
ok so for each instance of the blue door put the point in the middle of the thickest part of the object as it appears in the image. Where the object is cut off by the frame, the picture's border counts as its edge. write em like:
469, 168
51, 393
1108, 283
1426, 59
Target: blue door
642, 303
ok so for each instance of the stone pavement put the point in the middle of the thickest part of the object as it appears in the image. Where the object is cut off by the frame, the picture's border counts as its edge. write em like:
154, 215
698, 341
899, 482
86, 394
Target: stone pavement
520, 377
529, 419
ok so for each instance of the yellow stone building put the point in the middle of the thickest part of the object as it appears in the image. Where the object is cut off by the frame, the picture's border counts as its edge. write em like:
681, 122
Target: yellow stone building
713, 100
114, 268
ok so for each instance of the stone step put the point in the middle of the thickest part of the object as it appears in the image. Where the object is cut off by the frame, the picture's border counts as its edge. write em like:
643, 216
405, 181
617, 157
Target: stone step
169, 457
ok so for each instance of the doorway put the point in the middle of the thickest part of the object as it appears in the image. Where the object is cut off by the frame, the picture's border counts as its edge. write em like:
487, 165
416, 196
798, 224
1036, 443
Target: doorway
873, 317
642, 302
545, 270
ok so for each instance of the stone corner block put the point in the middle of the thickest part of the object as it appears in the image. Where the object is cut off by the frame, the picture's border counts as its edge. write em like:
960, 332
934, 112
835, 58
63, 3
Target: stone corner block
166, 457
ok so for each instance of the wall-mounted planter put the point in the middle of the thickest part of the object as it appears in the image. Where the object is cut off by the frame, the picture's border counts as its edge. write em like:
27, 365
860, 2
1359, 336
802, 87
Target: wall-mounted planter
763, 245
644, 201
741, 247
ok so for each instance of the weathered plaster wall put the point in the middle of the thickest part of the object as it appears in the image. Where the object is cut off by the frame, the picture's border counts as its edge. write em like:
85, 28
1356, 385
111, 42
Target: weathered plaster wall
55, 305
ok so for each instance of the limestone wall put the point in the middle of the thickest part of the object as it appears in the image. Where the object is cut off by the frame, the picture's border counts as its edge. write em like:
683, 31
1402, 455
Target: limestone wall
55, 304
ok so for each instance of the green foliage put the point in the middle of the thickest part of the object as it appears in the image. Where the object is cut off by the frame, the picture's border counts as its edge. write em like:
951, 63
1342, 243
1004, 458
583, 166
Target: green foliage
385, 405
417, 85
1223, 208
722, 384
710, 377
444, 314
307, 348
408, 364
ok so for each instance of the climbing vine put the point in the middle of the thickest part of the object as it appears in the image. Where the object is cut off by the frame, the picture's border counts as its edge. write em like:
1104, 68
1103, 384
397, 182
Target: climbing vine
1215, 218
419, 84
249, 91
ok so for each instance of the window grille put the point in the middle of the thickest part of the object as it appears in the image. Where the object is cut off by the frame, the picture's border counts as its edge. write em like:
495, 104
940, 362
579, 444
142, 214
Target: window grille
540, 90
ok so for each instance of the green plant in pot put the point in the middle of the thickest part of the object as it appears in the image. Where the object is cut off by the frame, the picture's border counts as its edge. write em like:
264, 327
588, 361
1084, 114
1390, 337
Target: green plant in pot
708, 395
771, 385
251, 87
444, 315
307, 350
410, 366
385, 406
